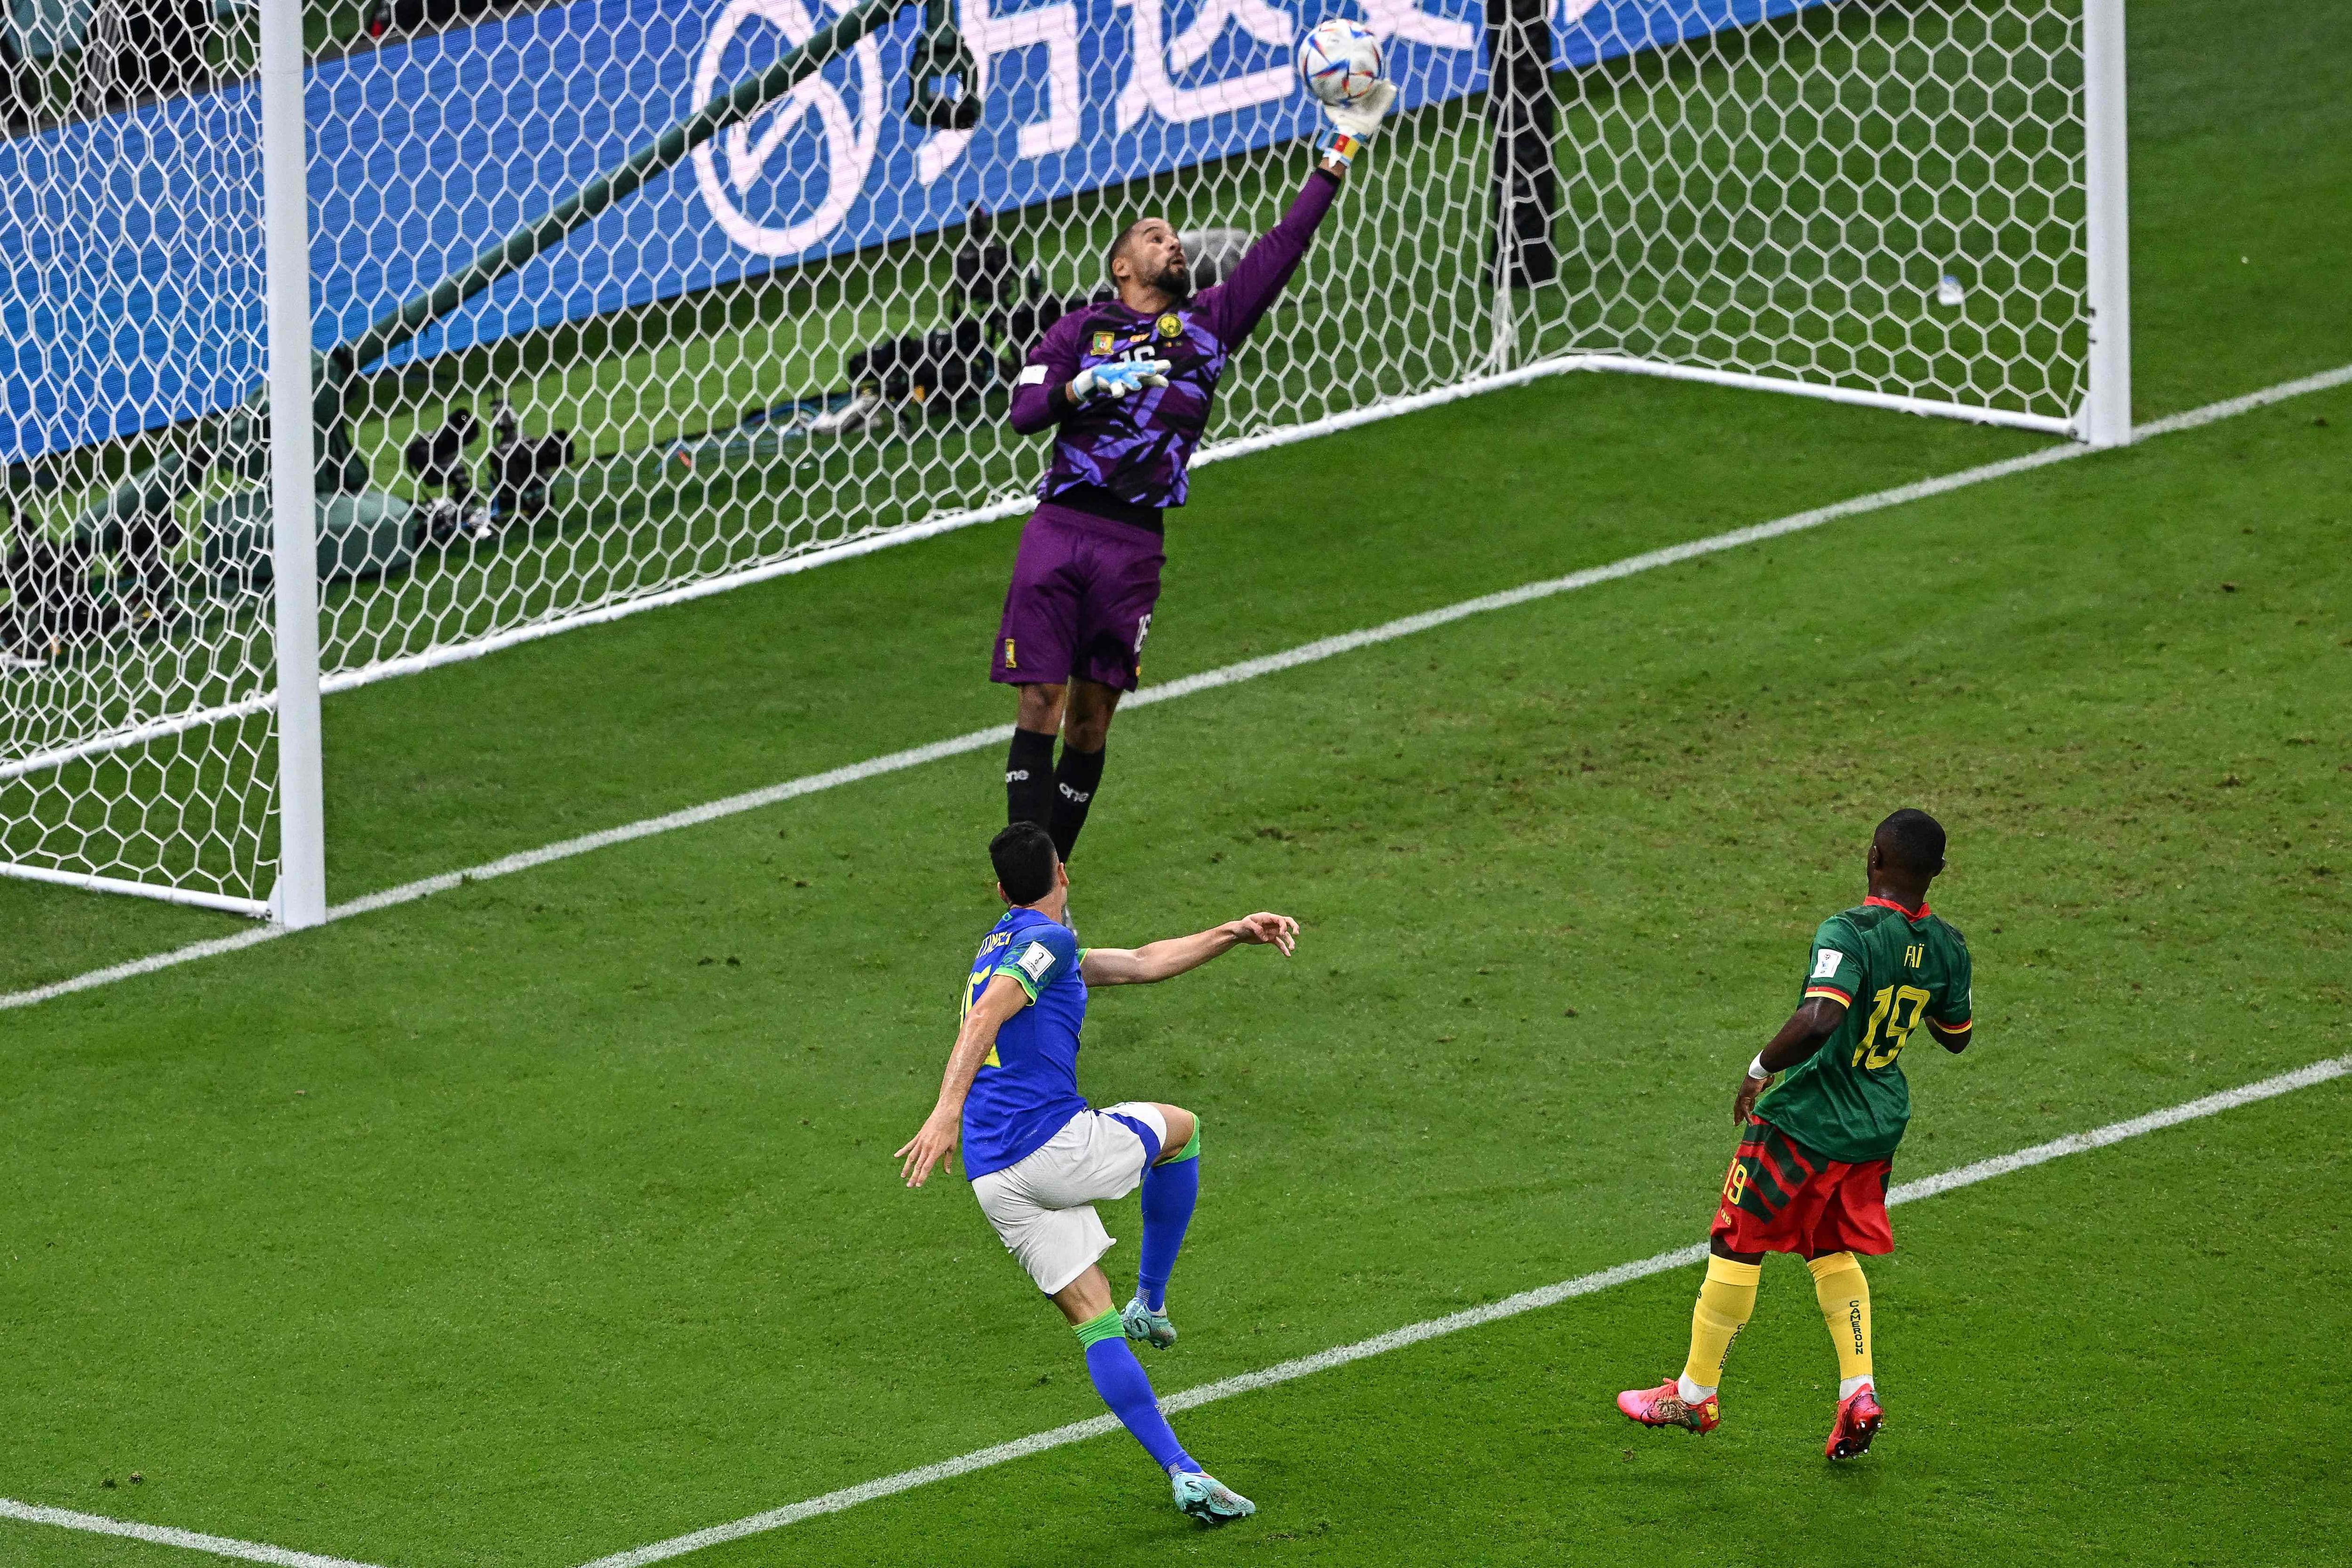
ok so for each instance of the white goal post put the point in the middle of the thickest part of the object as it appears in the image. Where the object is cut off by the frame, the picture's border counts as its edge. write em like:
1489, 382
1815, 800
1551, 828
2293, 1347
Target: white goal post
327, 373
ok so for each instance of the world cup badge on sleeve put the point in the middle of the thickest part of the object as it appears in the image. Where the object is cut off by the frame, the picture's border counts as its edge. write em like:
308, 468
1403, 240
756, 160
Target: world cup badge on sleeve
1172, 325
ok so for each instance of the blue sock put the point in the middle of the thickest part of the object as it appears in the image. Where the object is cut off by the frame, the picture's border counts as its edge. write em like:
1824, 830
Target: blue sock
1169, 1191
1119, 1379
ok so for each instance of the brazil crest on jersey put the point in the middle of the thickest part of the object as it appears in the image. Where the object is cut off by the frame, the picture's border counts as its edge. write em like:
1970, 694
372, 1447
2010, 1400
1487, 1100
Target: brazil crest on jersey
1893, 969
1028, 1088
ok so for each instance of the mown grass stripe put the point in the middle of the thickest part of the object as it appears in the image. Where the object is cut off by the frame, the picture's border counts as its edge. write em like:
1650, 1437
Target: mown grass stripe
1207, 680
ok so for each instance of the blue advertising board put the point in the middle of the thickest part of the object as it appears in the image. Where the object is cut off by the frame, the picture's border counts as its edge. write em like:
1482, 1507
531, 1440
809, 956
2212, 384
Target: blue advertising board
131, 245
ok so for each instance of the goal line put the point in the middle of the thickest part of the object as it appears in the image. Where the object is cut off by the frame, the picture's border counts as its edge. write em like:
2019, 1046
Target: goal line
883, 539
932, 528
880, 538
1230, 674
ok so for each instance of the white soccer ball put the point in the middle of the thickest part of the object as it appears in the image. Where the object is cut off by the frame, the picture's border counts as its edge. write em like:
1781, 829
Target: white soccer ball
1340, 62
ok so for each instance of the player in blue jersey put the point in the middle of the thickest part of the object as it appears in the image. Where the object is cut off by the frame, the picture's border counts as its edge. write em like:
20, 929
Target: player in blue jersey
1126, 387
1039, 1157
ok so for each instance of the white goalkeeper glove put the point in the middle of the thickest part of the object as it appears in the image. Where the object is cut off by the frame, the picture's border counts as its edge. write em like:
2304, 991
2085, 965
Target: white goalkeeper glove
1117, 379
1360, 119
1352, 124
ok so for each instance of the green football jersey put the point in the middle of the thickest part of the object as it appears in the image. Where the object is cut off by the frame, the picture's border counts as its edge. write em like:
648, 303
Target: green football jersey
1892, 968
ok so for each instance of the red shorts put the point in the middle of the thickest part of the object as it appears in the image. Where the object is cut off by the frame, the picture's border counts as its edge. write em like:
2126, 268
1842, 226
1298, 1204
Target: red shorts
1781, 1196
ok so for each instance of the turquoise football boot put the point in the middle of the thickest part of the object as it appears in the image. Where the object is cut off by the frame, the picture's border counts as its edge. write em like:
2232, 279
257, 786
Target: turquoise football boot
1143, 1323
1208, 1499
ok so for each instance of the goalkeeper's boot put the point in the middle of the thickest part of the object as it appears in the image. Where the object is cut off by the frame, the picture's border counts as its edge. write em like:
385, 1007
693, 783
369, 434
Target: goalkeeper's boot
1209, 1500
1145, 1324
1666, 1407
1858, 1420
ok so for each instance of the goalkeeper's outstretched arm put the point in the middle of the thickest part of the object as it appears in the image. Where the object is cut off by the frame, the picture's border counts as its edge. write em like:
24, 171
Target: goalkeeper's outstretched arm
1234, 307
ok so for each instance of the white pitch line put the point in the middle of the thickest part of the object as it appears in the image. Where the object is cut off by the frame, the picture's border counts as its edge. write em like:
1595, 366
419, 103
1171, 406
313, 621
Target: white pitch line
1207, 680
727, 583
1454, 1323
1247, 1382
163, 1535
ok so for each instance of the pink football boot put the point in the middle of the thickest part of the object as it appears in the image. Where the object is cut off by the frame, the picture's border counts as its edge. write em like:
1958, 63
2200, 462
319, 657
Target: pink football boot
1666, 1407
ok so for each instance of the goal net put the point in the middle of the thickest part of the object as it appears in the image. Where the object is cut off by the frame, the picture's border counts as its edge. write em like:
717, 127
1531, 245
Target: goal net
1882, 199
620, 302
135, 753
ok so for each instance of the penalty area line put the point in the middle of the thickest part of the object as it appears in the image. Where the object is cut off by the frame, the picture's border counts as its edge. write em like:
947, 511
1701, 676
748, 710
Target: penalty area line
1455, 1323
1207, 680
163, 1535
1247, 1382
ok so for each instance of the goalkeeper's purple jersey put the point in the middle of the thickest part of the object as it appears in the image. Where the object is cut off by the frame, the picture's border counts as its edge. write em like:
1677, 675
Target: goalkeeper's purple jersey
1138, 448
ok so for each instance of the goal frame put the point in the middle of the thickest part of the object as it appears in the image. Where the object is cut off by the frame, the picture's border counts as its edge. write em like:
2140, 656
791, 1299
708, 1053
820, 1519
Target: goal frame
2102, 417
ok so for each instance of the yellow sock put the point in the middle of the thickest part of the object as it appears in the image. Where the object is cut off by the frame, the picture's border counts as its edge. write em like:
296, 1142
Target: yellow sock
1845, 1307
1725, 1301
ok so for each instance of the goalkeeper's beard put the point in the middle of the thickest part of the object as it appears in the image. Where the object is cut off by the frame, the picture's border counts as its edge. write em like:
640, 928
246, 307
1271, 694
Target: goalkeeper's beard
1175, 280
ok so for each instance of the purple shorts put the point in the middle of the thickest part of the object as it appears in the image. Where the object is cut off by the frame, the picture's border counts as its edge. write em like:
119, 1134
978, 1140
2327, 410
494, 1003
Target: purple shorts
1080, 602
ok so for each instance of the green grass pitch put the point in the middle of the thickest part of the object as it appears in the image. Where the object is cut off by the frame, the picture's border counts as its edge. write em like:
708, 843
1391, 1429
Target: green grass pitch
554, 1215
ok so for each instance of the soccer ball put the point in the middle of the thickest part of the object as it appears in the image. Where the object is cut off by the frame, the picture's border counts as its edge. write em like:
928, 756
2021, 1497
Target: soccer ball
1340, 62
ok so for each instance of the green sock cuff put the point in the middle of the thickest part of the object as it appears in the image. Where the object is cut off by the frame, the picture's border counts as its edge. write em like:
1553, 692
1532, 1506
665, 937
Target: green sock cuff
1191, 1149
1095, 1330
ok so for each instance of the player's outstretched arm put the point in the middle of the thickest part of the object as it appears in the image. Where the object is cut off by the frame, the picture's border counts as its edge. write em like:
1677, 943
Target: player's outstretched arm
1801, 1036
1235, 306
1165, 960
935, 1145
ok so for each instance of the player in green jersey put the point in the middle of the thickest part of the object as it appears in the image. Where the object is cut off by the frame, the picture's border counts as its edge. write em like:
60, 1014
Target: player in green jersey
1816, 1146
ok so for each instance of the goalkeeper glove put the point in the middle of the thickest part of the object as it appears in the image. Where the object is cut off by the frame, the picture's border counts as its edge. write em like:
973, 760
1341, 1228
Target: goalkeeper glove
1356, 123
1117, 379
1352, 124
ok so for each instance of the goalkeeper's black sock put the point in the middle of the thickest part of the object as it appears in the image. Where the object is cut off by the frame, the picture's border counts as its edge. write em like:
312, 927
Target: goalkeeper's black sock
1029, 779
1075, 782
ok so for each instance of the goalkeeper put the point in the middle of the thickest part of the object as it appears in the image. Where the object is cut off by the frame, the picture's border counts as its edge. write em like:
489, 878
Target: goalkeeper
1127, 386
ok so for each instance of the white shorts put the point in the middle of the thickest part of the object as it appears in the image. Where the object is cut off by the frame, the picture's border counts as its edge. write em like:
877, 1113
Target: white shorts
1043, 1205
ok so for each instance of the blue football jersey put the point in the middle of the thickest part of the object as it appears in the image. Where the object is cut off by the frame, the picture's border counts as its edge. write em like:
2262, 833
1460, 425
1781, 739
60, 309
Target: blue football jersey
1027, 1090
